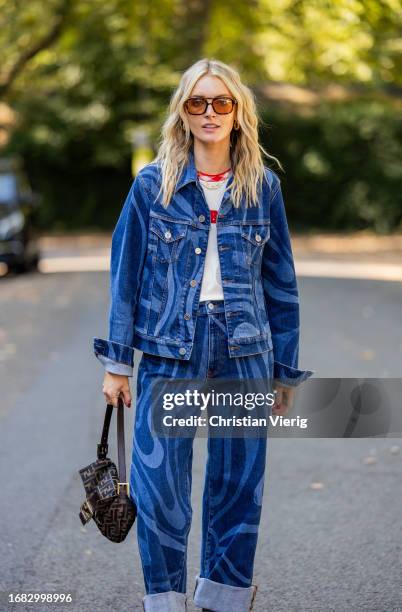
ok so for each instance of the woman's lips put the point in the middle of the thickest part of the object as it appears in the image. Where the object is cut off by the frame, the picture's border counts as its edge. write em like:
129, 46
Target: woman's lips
210, 127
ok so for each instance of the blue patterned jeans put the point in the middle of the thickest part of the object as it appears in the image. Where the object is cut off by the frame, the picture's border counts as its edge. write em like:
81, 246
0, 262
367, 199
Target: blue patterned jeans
161, 479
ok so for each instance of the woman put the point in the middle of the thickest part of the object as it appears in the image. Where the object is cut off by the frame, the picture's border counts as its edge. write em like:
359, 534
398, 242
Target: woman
203, 282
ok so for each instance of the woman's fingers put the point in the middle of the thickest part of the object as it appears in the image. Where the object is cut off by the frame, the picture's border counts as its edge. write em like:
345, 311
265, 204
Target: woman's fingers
284, 400
112, 397
278, 407
127, 397
114, 386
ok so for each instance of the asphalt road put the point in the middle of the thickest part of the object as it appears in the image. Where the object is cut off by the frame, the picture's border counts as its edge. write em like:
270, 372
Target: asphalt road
334, 547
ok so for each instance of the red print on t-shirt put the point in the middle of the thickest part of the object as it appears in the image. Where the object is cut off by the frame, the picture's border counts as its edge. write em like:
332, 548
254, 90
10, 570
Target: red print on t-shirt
214, 214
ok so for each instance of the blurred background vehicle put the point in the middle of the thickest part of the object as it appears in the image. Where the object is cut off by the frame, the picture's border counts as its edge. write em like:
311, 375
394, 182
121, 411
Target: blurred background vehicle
19, 239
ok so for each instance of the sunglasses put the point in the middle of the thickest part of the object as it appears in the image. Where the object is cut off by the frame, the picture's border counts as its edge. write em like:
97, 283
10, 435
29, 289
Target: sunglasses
197, 105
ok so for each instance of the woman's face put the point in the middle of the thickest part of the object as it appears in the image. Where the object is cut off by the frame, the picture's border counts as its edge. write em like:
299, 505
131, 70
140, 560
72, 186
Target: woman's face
210, 86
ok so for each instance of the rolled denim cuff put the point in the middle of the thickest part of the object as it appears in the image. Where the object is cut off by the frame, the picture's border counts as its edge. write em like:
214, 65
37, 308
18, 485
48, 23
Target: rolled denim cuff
288, 376
170, 601
219, 597
115, 351
115, 367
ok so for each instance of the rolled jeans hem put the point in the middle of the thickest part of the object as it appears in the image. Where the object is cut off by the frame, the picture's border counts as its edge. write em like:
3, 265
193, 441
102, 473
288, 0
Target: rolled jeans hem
169, 601
219, 597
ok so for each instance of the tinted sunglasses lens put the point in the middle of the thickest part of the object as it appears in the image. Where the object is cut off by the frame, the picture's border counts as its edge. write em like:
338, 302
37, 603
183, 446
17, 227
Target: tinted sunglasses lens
196, 106
223, 106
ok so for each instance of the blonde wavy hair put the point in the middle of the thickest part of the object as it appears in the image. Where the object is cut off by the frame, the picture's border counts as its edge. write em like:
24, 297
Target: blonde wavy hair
176, 139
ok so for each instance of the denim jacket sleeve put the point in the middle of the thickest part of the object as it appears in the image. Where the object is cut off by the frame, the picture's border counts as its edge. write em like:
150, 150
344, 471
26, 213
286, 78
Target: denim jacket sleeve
281, 294
128, 248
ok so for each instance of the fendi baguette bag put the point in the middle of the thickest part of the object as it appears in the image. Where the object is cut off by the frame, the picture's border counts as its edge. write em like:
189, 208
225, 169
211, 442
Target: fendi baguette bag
108, 500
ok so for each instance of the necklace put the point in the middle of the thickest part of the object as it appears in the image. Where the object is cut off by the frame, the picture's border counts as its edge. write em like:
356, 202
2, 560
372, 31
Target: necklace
213, 181
214, 177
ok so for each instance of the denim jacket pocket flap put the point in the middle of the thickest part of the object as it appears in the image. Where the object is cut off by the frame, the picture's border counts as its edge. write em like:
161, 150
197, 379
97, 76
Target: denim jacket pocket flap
168, 231
257, 234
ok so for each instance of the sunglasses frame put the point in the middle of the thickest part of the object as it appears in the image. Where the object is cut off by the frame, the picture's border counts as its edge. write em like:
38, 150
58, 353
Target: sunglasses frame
210, 101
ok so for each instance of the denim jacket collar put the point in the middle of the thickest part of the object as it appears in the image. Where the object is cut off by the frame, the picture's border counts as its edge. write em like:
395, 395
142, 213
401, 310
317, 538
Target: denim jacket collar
189, 174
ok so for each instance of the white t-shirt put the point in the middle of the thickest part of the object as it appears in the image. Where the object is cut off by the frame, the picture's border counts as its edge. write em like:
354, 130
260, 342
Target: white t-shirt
211, 286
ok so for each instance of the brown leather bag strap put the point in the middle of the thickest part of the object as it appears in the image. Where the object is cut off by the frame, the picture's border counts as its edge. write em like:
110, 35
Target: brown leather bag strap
103, 446
120, 441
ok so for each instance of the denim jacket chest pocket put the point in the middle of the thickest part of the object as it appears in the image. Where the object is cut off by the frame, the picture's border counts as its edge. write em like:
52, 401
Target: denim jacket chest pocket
254, 237
165, 237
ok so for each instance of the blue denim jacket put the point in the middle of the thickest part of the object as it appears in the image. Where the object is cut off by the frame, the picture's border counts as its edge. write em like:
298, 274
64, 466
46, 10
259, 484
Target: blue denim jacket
156, 269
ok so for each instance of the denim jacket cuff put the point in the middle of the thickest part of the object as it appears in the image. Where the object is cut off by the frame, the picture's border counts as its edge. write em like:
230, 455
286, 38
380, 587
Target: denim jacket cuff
287, 376
115, 351
115, 367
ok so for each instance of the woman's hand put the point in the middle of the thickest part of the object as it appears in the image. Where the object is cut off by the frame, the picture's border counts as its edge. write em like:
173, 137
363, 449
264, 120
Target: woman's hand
284, 400
115, 385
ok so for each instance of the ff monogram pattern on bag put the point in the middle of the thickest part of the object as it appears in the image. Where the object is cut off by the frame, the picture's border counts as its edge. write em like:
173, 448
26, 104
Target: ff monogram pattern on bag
107, 502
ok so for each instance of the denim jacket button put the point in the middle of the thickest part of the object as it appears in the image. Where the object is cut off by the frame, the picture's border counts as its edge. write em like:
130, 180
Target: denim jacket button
258, 237
182, 350
193, 282
187, 316
197, 250
168, 235
201, 218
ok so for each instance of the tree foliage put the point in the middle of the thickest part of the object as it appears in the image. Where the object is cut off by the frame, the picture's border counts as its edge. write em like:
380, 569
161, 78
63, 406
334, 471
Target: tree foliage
81, 74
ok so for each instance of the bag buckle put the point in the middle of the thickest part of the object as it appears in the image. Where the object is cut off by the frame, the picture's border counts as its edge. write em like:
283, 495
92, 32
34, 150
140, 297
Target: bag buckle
102, 450
126, 484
